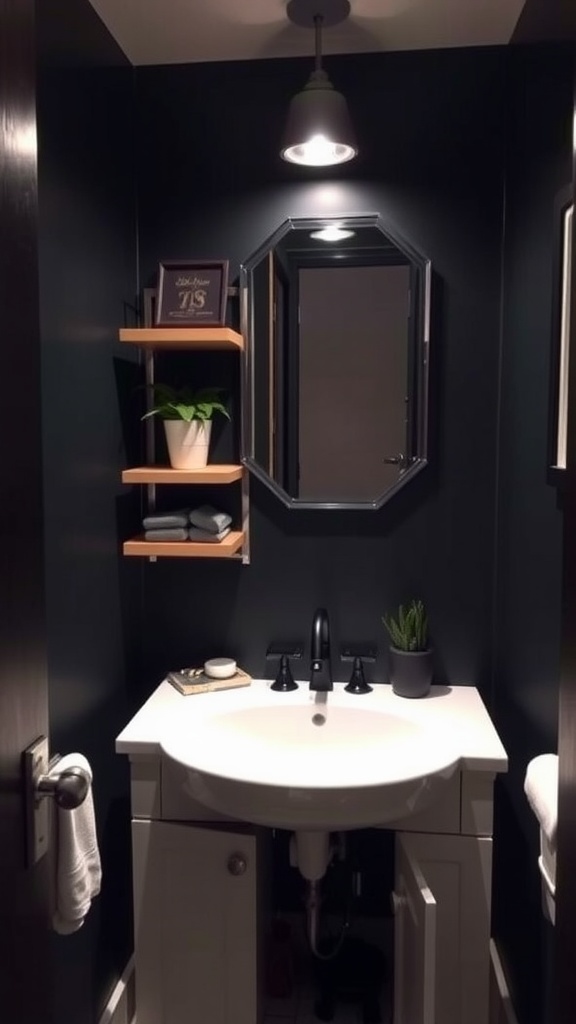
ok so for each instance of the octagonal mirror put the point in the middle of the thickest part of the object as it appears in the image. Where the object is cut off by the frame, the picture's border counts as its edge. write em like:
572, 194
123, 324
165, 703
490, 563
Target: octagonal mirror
335, 316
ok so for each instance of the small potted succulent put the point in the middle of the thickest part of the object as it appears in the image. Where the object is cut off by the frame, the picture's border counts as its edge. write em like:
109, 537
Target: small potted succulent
187, 416
410, 651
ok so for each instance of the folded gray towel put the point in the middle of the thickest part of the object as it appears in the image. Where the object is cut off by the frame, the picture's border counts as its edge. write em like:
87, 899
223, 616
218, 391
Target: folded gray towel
175, 533
166, 520
208, 518
195, 533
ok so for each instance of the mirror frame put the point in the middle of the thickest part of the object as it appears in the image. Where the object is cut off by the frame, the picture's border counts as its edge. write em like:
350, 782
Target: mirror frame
415, 460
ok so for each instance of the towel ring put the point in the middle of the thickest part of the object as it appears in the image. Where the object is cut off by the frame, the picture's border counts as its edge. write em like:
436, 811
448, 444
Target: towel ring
69, 787
40, 778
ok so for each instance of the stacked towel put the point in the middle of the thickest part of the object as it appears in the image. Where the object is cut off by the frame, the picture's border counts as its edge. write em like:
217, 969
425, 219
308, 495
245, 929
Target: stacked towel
195, 533
541, 789
166, 520
208, 524
166, 525
174, 533
78, 870
208, 518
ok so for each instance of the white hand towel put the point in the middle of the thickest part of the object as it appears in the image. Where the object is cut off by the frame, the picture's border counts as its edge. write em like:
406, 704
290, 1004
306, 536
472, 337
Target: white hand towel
78, 870
541, 788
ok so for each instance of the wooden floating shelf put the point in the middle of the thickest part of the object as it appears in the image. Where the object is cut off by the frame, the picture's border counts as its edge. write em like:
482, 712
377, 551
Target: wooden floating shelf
183, 337
185, 548
215, 474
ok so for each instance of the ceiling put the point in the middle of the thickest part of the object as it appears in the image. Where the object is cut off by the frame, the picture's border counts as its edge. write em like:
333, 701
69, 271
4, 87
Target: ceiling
186, 31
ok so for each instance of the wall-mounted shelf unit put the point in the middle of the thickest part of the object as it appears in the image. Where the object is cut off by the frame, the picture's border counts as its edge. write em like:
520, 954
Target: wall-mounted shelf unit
215, 474
203, 338
226, 548
236, 544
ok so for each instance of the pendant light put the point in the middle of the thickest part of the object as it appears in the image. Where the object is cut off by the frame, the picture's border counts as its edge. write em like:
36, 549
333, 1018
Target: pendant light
318, 131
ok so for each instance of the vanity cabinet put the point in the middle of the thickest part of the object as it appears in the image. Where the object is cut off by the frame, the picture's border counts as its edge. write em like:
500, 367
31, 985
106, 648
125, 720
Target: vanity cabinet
195, 923
201, 883
199, 925
189, 339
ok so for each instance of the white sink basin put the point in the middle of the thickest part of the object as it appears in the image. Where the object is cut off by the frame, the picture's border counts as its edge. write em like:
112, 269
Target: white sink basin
291, 761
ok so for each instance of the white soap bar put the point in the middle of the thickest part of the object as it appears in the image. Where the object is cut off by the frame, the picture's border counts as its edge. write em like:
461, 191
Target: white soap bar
220, 668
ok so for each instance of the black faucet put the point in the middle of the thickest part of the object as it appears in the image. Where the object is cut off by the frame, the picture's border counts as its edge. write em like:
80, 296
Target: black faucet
320, 668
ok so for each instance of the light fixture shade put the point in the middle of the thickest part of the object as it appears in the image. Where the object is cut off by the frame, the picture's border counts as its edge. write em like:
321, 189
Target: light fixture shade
318, 130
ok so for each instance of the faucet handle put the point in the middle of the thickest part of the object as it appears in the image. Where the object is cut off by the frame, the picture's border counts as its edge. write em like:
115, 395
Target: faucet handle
357, 682
284, 651
291, 648
367, 652
358, 653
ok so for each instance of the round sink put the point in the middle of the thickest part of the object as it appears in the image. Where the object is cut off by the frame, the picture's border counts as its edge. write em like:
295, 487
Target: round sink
305, 764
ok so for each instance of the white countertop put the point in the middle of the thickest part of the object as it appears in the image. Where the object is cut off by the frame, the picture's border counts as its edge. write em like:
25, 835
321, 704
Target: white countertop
453, 713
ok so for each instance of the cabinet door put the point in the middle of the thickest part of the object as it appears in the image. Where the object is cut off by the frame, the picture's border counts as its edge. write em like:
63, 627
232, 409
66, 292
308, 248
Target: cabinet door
195, 925
414, 940
458, 870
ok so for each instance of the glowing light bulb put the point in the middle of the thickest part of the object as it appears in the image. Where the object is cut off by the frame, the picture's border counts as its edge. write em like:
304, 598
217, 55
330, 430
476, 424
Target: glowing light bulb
319, 152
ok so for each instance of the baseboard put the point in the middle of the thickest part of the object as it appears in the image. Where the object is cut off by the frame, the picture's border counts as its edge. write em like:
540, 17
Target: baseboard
121, 1006
501, 1008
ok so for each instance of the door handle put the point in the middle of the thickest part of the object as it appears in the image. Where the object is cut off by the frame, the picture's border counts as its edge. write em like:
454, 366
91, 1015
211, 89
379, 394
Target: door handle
401, 460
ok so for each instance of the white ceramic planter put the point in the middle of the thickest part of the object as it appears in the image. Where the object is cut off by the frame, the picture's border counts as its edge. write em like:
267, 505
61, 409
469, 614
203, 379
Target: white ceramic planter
188, 443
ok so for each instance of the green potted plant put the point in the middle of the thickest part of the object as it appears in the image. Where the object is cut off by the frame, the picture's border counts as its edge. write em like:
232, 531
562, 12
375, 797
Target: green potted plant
187, 416
410, 651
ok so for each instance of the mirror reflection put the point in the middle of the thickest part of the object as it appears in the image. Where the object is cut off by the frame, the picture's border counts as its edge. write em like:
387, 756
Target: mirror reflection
336, 320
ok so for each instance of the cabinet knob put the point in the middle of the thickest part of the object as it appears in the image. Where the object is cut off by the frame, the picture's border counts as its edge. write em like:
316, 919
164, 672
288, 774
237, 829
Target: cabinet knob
237, 863
397, 902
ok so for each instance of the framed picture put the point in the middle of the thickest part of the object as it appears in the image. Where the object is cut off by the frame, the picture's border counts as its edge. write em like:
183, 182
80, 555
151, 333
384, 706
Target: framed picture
192, 293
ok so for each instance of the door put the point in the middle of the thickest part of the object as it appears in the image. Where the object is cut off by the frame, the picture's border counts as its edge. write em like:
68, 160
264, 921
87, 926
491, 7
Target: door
453, 873
195, 910
352, 379
414, 908
24, 977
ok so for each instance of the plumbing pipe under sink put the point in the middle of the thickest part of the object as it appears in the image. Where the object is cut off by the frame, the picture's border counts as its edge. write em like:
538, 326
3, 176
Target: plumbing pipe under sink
311, 853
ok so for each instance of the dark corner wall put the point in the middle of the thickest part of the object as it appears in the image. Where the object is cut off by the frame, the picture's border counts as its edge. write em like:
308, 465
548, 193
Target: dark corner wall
527, 611
211, 184
87, 251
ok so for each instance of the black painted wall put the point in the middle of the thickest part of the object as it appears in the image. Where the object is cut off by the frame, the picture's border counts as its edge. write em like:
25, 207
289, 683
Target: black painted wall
468, 169
87, 255
436, 140
212, 185
529, 548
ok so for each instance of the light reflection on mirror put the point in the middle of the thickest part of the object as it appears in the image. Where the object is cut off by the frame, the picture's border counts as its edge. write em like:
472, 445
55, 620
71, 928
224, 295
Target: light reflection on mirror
337, 334
334, 233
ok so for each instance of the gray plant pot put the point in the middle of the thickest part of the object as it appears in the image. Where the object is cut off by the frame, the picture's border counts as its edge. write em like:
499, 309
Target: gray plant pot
410, 672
